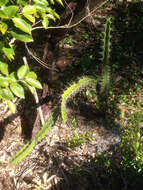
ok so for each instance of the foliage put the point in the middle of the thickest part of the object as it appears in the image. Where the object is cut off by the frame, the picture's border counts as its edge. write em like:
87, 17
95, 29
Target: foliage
78, 139
132, 143
17, 21
11, 85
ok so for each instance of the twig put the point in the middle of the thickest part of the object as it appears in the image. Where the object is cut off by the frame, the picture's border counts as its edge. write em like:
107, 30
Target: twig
88, 11
36, 98
21, 176
39, 108
50, 178
73, 25
38, 60
71, 13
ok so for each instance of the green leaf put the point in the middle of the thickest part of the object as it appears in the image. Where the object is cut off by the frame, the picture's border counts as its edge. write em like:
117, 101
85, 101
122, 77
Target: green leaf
3, 83
3, 27
1, 45
6, 94
3, 15
17, 89
6, 79
22, 37
60, 2
3, 2
29, 9
22, 25
45, 22
30, 18
13, 77
10, 11
22, 2
138, 134
52, 2
41, 8
57, 15
31, 75
28, 86
11, 106
22, 71
34, 82
52, 12
4, 68
42, 2
137, 145
9, 52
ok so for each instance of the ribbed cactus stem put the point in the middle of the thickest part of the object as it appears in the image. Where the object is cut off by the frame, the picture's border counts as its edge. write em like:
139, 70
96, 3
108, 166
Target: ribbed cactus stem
106, 48
30, 145
71, 91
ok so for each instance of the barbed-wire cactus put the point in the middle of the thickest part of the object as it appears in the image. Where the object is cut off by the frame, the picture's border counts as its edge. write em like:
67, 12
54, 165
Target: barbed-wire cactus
68, 94
106, 48
72, 90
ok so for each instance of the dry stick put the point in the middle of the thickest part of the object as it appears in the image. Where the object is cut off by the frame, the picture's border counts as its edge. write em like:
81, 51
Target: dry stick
88, 11
73, 25
71, 13
36, 98
38, 60
50, 178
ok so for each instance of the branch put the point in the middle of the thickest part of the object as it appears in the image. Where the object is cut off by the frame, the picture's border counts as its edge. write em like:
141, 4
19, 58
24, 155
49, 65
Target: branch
67, 26
36, 98
39, 60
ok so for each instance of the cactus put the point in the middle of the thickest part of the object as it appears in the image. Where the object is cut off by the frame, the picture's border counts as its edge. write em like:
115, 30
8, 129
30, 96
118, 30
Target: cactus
72, 90
68, 94
29, 146
106, 48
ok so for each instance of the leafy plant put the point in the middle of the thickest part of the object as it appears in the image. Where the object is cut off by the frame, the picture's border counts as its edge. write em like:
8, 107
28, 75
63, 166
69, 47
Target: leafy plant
132, 143
18, 19
78, 139
12, 84
69, 40
85, 36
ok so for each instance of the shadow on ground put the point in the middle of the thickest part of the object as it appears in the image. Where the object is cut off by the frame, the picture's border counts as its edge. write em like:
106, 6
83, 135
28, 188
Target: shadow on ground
104, 171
